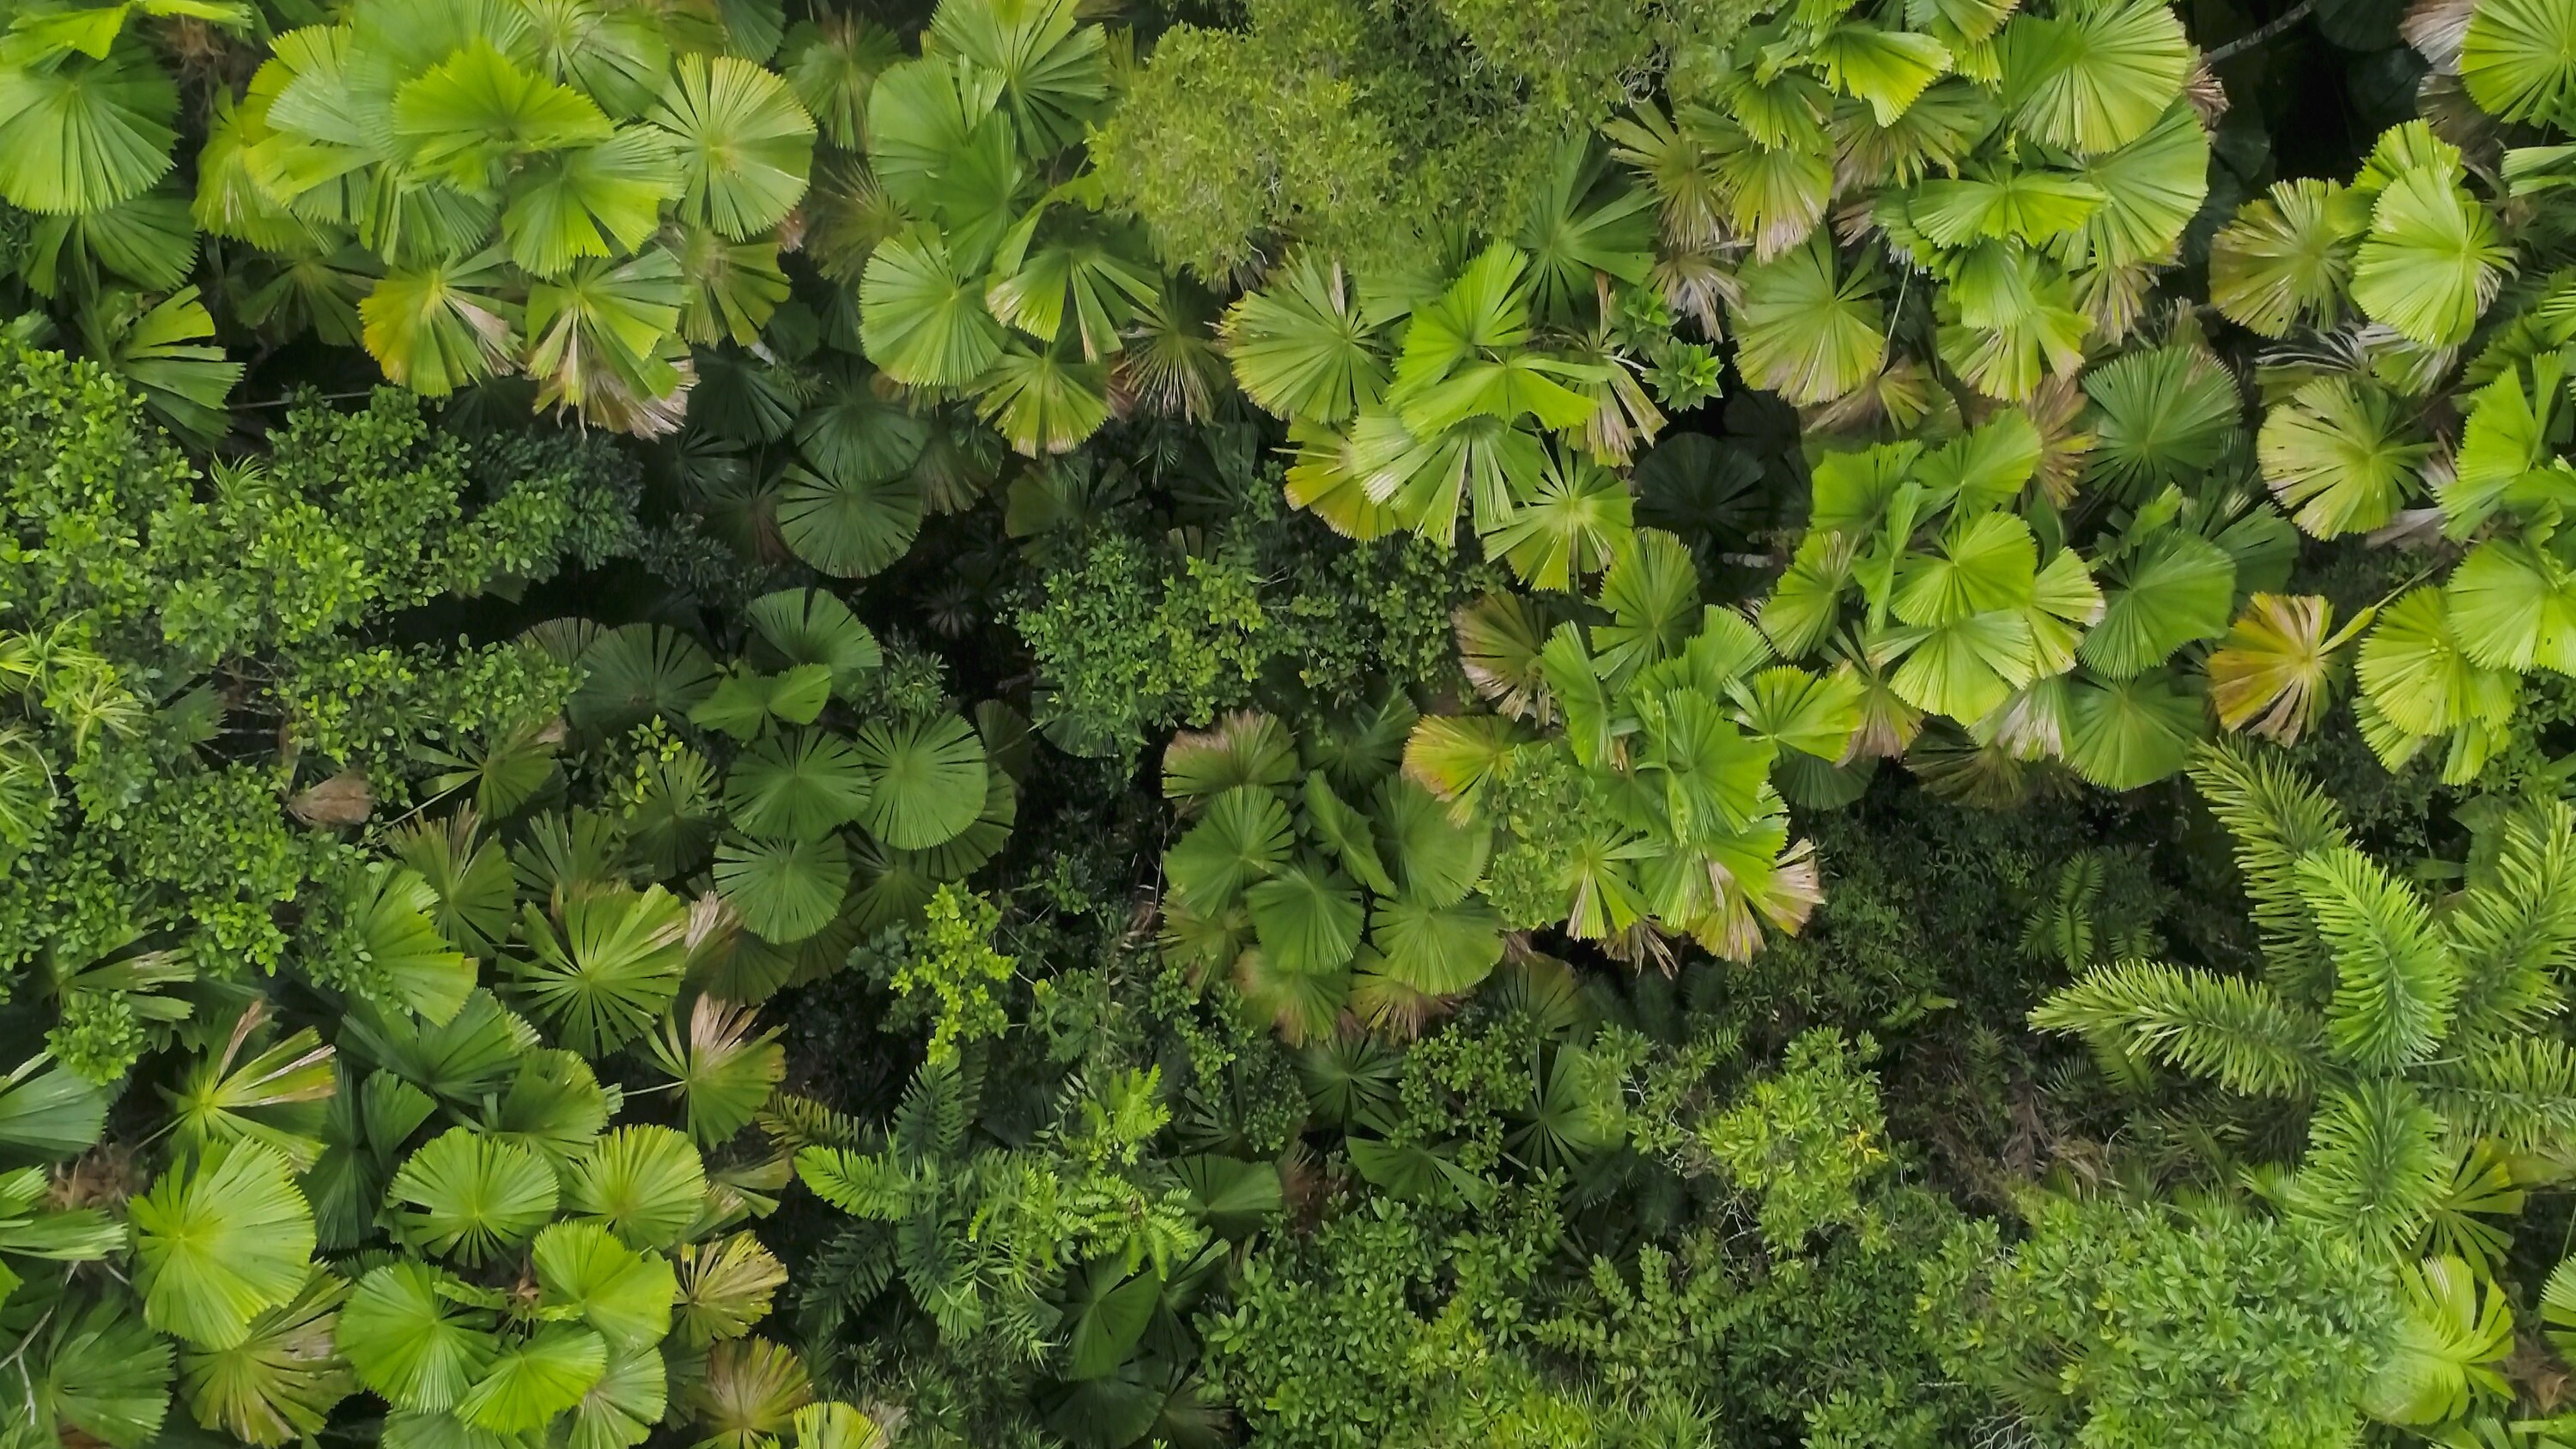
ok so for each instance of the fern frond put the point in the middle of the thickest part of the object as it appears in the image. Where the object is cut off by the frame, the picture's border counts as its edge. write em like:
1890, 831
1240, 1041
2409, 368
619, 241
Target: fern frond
2237, 1031
930, 1123
2395, 983
2278, 819
857, 1183
2376, 1167
793, 1123
2514, 933
2521, 1092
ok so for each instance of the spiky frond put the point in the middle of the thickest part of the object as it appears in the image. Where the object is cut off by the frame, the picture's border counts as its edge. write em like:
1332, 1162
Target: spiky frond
2277, 819
2237, 1031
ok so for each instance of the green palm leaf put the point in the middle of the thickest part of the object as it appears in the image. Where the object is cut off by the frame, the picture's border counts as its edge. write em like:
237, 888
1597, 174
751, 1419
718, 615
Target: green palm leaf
1436, 950
598, 200
98, 1370
785, 890
620, 1410
1043, 403
2416, 673
81, 135
436, 328
624, 1294
2151, 188
1243, 836
2096, 75
2131, 732
797, 785
1052, 72
2514, 607
2339, 453
923, 318
2175, 588
1303, 347
617, 963
2161, 416
1303, 1006
1307, 917
165, 352
853, 431
723, 1070
809, 626
2286, 257
606, 342
531, 1381
645, 1184
1245, 748
928, 780
1569, 527
221, 1237
279, 1384
470, 1196
2432, 261
832, 63
463, 119
636, 671
848, 525
1806, 334
744, 145
2518, 58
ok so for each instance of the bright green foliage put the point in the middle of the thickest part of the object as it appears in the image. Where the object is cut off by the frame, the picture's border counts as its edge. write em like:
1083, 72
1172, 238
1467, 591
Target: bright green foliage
506, 173
2412, 1031
1805, 1140
956, 963
2115, 1325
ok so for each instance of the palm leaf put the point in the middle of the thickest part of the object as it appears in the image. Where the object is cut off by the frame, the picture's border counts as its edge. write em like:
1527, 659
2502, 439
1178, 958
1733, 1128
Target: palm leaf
531, 1381
636, 671
928, 780
2518, 59
831, 63
279, 1384
722, 1070
598, 200
2132, 732
2432, 260
2285, 257
2096, 75
786, 890
221, 1237
1041, 402
797, 785
809, 626
623, 1294
617, 963
2273, 674
1303, 346
83, 134
744, 145
436, 328
471, 1196
848, 526
645, 1184
1806, 334
2340, 455
1052, 71
1242, 837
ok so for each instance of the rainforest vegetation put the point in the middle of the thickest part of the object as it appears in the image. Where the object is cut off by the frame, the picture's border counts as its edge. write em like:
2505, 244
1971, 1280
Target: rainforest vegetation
1308, 724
